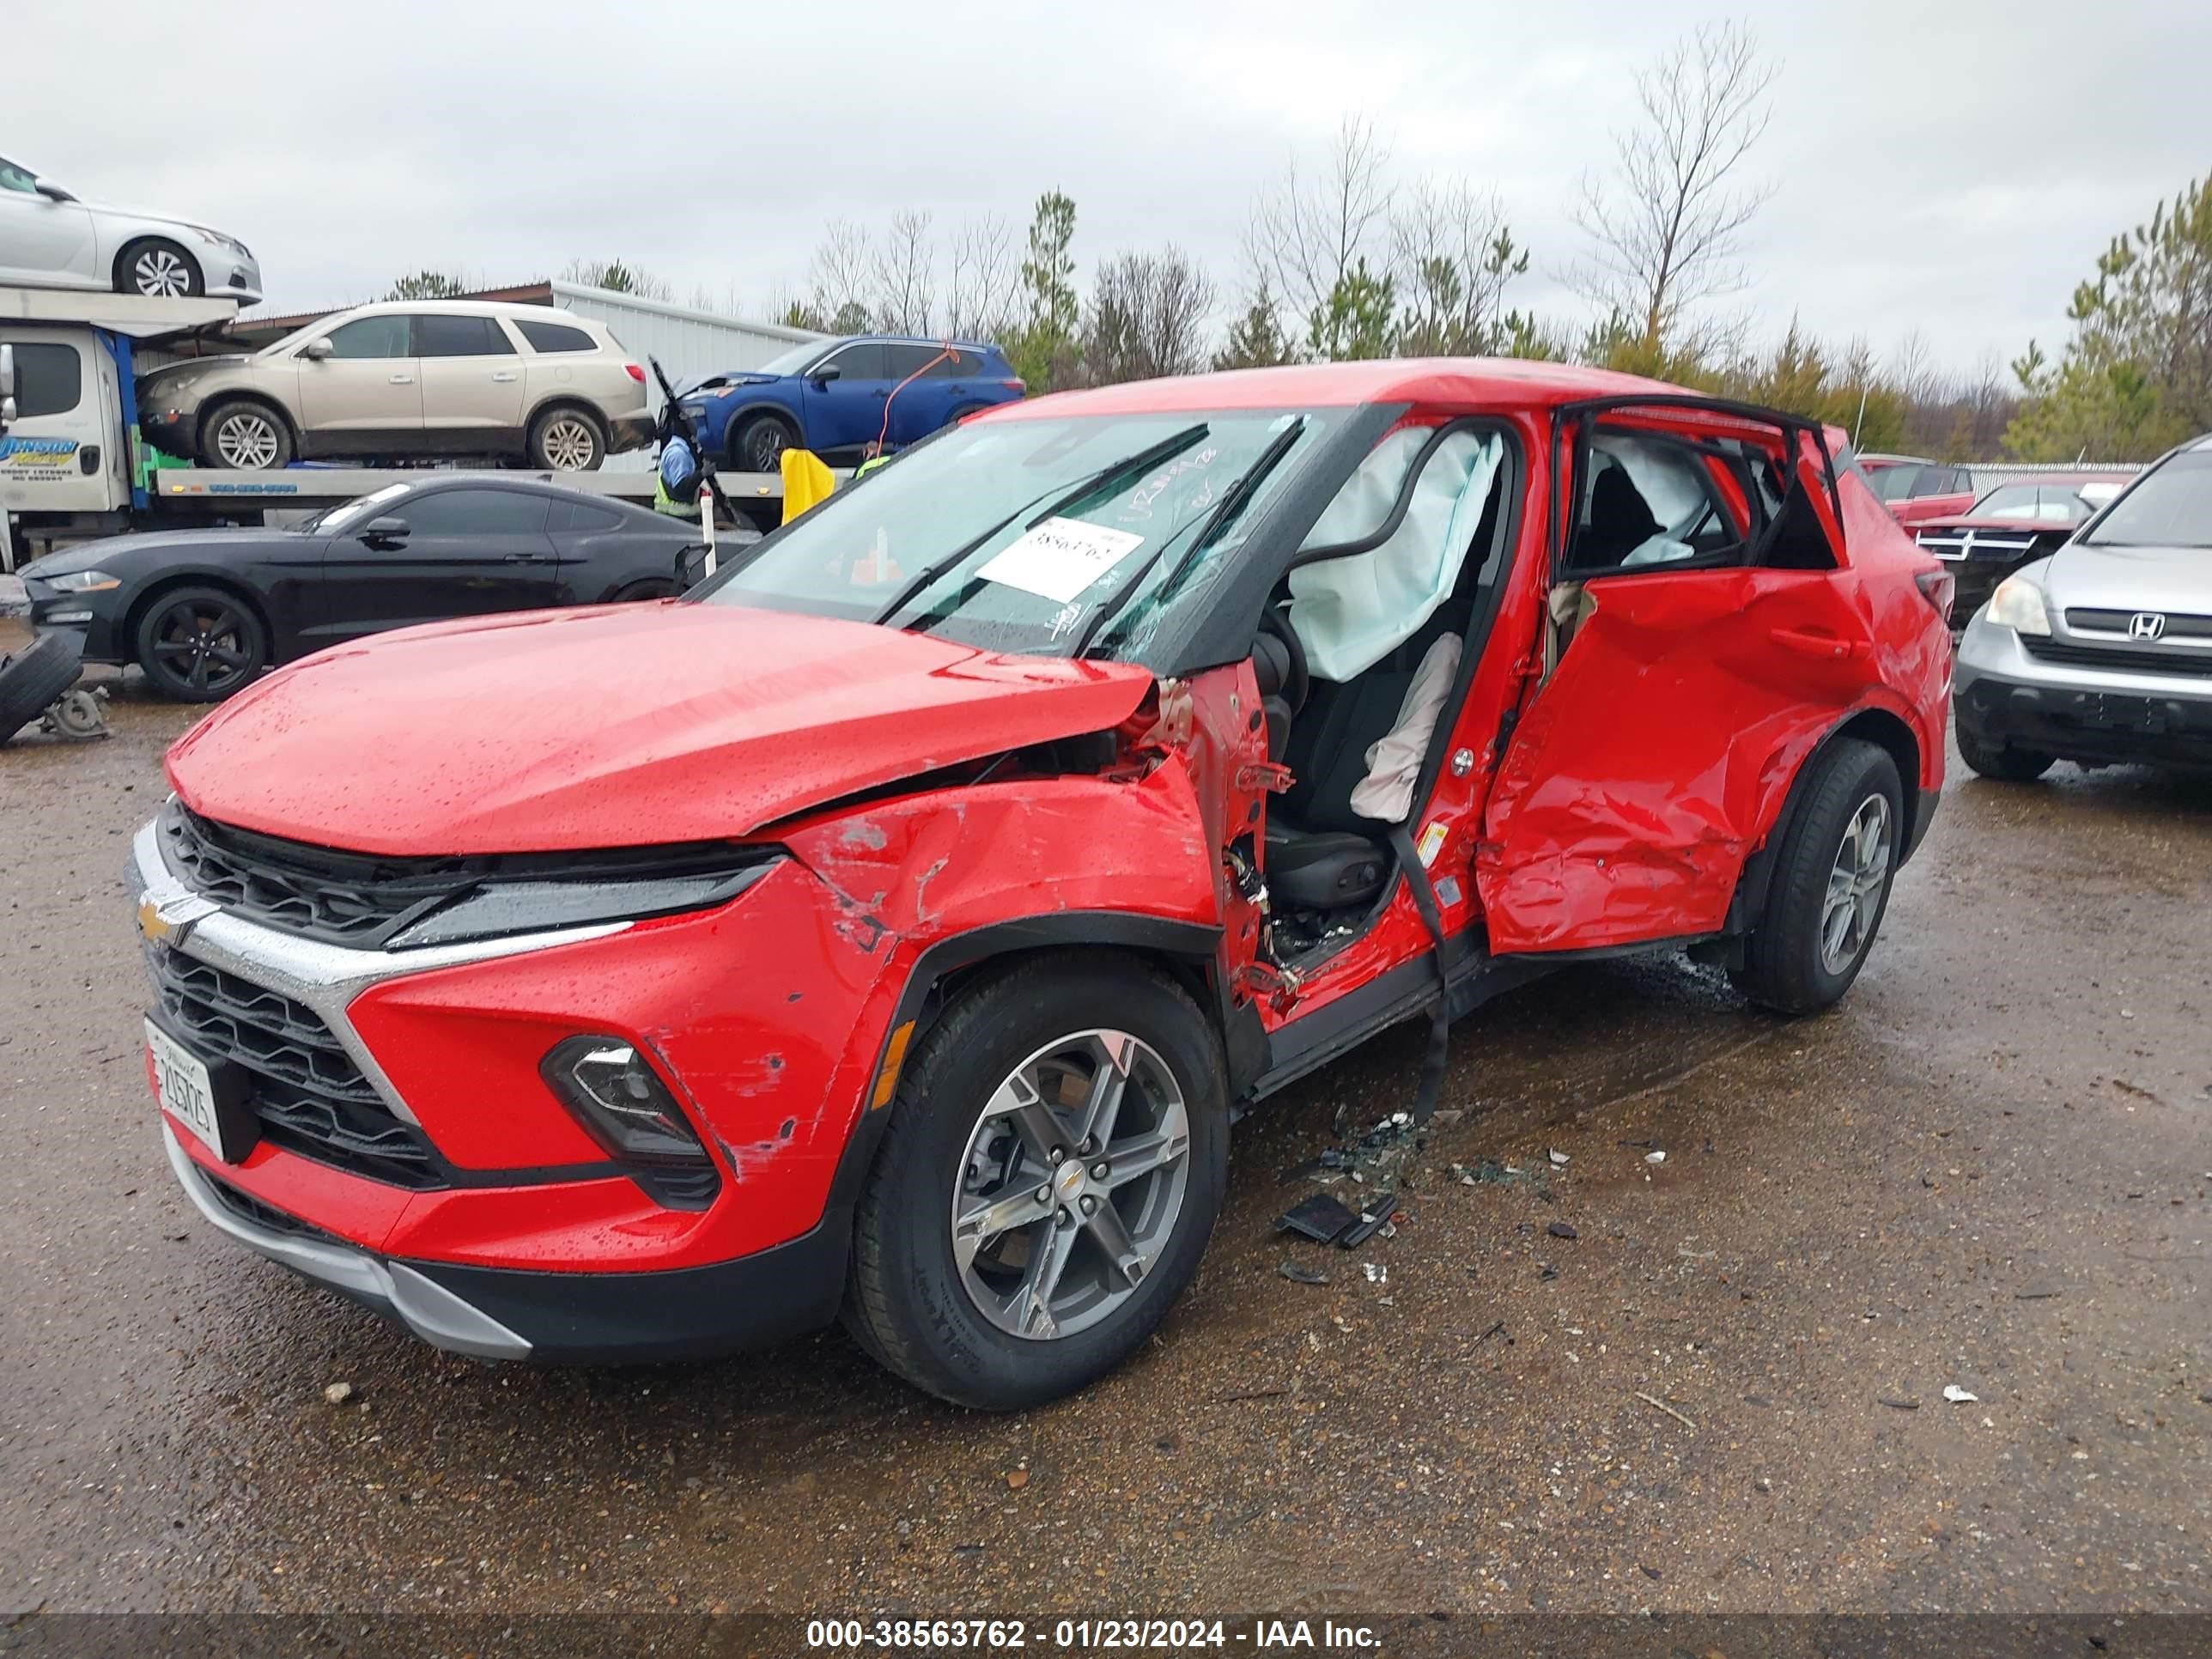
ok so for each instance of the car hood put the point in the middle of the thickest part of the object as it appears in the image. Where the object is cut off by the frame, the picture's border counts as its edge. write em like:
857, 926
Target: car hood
2178, 579
726, 384
133, 555
615, 727
173, 374
1969, 521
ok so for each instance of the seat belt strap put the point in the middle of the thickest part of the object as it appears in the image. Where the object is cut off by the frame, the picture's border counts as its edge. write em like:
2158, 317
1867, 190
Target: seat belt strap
1424, 901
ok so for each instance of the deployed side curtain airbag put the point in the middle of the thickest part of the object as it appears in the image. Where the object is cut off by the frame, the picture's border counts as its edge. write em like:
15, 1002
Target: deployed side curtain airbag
1351, 612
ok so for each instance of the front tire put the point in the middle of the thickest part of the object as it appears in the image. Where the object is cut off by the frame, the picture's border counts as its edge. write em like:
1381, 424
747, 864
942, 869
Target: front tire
200, 644
760, 443
158, 269
567, 440
2001, 764
994, 1274
242, 435
1831, 886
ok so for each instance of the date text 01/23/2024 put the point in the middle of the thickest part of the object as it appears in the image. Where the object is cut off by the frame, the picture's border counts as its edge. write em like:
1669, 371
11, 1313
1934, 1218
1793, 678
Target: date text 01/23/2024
1087, 1635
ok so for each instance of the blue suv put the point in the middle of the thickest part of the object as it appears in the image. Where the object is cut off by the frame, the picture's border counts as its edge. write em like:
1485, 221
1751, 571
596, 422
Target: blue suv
830, 396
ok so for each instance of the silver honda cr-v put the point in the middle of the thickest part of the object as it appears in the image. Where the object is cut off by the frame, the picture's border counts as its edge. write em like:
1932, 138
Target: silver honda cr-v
2102, 652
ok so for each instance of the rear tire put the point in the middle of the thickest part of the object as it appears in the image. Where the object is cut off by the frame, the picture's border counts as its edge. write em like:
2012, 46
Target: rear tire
239, 434
199, 644
1831, 886
2000, 764
760, 442
958, 1318
34, 678
158, 269
567, 440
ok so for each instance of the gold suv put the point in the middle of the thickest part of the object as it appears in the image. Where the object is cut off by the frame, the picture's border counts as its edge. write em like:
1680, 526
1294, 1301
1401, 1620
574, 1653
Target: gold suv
404, 381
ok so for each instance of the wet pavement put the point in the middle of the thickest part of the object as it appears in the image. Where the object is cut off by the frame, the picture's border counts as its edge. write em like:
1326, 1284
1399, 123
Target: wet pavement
1989, 1171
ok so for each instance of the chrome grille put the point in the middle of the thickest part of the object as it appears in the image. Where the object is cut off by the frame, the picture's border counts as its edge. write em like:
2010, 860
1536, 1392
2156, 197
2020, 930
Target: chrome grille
310, 1095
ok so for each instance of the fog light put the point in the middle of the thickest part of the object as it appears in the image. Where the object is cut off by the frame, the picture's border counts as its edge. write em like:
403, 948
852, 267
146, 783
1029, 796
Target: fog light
614, 1093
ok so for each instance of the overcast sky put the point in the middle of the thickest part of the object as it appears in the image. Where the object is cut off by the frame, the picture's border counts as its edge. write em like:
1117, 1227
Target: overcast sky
1953, 168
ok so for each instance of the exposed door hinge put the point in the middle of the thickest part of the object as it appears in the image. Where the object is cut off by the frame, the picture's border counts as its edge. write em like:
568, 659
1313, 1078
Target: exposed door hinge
1266, 775
1265, 979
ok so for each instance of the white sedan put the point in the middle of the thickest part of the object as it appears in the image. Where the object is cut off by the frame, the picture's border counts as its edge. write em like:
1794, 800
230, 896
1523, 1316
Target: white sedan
48, 239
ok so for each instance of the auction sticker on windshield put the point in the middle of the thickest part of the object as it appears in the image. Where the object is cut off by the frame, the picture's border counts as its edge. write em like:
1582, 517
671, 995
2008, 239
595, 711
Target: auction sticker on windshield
186, 1089
1058, 558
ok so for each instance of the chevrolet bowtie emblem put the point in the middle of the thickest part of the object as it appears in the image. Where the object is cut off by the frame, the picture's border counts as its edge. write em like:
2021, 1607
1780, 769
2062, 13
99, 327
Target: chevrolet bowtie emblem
166, 921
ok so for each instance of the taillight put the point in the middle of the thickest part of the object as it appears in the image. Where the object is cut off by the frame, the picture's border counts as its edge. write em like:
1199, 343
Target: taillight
1015, 386
634, 373
1939, 588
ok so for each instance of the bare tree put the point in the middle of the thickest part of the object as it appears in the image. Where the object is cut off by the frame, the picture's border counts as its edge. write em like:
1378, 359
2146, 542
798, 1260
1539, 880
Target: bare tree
1146, 318
906, 275
840, 276
1912, 369
1667, 226
1453, 257
981, 302
1309, 231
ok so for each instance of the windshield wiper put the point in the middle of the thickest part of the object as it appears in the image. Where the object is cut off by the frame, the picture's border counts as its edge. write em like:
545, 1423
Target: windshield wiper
1225, 514
1083, 489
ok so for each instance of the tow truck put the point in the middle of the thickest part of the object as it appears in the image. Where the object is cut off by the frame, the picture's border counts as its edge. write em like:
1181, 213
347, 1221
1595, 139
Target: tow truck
73, 465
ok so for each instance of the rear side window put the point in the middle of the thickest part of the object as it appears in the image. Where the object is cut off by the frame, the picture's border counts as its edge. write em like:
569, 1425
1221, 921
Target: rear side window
584, 517
966, 365
49, 379
1647, 500
373, 337
1895, 484
555, 337
906, 360
460, 336
474, 512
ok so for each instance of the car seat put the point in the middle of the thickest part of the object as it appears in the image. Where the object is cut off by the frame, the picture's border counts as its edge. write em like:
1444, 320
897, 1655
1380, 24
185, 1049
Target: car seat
1321, 854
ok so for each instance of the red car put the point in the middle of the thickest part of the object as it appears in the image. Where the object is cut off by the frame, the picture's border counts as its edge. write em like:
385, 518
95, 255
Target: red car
1917, 490
894, 925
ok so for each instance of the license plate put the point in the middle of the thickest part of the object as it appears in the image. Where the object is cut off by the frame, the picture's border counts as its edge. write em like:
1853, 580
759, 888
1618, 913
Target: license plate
186, 1089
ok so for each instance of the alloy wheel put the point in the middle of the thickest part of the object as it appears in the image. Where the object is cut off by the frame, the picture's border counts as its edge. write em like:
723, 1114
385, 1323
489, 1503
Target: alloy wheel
1071, 1184
570, 446
246, 440
767, 446
204, 644
1855, 883
160, 274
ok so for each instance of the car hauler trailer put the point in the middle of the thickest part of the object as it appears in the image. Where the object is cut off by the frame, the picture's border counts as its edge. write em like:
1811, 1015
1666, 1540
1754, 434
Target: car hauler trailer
73, 466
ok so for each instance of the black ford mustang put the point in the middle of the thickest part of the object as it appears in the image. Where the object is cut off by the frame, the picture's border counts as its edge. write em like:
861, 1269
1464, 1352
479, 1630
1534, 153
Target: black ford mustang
204, 610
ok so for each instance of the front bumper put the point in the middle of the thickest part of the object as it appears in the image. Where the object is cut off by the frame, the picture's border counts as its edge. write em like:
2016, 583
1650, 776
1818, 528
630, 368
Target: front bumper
91, 616
517, 1239
495, 1313
2004, 697
228, 274
629, 432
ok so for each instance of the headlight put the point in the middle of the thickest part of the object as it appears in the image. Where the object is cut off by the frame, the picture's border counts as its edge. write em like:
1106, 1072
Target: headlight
500, 910
2018, 605
84, 582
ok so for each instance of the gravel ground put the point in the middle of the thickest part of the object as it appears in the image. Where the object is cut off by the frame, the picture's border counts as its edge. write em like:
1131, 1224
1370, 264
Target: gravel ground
1988, 1169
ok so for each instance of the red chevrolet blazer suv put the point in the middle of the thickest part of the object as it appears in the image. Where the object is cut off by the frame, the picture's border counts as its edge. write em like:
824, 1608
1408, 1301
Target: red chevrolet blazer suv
892, 926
